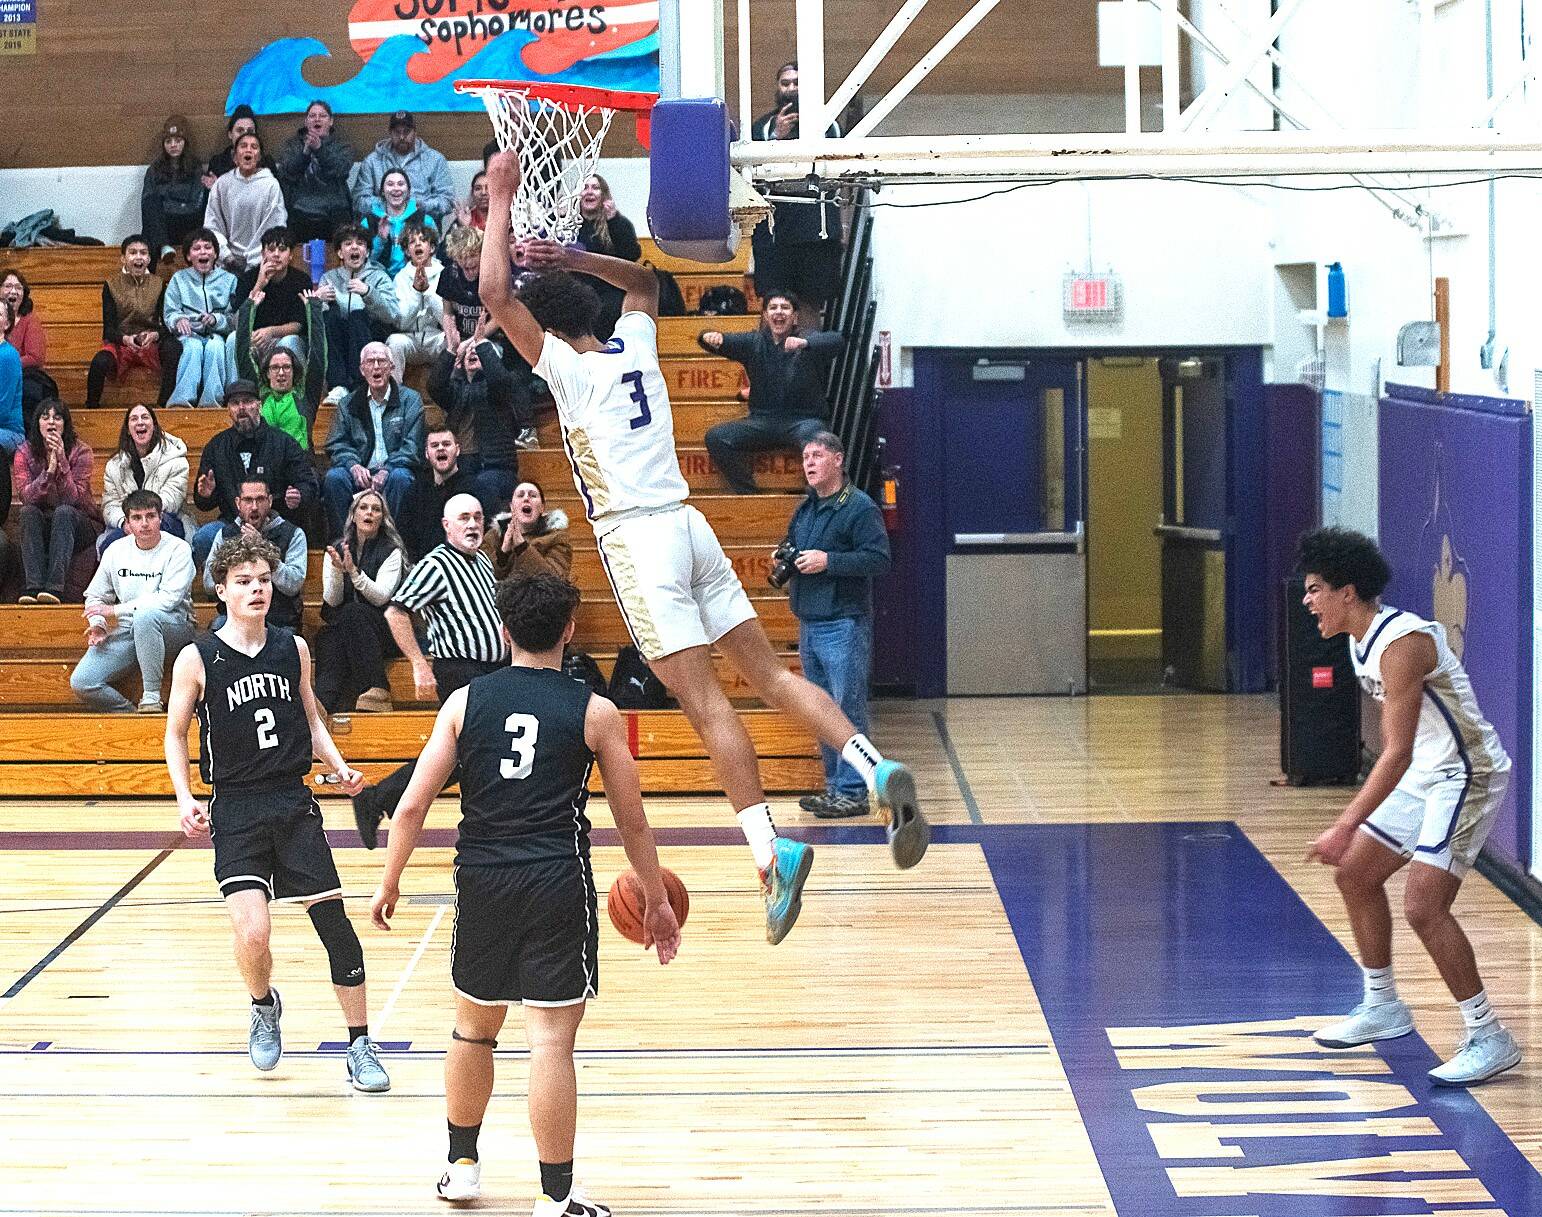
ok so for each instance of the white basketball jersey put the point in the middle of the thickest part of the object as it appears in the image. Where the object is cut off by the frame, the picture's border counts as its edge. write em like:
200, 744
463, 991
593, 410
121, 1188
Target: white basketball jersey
1452, 732
616, 422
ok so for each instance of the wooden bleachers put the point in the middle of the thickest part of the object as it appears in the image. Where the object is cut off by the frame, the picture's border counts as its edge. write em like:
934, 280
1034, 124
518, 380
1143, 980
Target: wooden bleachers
50, 748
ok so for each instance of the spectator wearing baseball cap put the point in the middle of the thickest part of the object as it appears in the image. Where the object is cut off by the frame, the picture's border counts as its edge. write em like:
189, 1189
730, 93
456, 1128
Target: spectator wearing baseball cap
172, 202
425, 168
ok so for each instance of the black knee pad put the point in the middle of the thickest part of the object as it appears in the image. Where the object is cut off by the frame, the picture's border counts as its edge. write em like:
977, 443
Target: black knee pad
337, 935
466, 1039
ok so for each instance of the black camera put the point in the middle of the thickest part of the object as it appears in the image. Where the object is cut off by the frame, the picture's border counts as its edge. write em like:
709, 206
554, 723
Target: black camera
784, 564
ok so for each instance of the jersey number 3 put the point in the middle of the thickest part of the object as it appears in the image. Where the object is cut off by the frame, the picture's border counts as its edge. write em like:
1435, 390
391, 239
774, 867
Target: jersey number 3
640, 396
522, 729
265, 736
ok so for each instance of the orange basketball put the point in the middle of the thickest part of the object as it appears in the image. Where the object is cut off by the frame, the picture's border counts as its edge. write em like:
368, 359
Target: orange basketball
625, 902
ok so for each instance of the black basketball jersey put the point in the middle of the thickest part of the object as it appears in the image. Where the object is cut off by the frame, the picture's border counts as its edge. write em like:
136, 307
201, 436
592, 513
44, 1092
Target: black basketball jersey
252, 729
524, 768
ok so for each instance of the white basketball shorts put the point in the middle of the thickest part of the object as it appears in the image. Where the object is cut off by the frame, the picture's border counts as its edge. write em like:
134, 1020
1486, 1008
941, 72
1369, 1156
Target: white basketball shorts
674, 583
1441, 819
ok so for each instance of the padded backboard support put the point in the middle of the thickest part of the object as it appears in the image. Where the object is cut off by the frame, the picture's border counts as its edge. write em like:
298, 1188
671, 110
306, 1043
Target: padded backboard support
688, 200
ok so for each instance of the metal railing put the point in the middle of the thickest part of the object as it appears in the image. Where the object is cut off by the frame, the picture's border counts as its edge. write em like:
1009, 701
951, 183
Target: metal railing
852, 388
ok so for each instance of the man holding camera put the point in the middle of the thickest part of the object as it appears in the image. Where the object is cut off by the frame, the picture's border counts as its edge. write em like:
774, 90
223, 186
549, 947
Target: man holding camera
834, 548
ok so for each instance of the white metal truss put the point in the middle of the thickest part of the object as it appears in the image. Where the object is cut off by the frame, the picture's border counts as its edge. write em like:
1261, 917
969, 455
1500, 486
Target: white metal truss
1187, 146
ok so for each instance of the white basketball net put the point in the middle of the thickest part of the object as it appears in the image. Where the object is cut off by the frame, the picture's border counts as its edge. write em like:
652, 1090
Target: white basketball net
558, 145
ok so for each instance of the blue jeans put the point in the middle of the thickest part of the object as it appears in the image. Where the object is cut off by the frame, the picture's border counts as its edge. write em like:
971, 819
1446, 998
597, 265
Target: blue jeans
203, 542
337, 491
143, 641
203, 363
837, 656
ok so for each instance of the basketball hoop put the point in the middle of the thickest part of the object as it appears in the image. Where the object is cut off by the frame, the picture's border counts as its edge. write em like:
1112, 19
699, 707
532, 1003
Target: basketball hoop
557, 130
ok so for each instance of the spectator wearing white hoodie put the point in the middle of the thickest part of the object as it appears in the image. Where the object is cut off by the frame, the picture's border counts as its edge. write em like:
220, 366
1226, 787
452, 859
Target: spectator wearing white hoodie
419, 336
138, 606
244, 204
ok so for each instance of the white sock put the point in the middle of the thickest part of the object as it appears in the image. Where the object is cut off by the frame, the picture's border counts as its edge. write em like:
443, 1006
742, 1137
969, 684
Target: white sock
859, 753
1380, 988
759, 832
1477, 1013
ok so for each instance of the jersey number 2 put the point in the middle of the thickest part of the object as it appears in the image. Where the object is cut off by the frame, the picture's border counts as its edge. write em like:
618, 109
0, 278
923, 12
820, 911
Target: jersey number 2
265, 736
522, 729
640, 396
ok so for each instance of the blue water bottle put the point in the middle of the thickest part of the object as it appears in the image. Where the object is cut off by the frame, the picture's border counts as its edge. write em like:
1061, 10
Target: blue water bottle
1338, 303
316, 255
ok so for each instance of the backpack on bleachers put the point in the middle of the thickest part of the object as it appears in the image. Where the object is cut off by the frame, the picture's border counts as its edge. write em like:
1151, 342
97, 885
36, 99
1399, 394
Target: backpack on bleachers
633, 686
723, 301
581, 667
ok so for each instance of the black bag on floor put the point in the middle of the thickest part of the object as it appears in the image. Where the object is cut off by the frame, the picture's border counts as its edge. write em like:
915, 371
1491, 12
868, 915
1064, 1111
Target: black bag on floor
581, 667
633, 686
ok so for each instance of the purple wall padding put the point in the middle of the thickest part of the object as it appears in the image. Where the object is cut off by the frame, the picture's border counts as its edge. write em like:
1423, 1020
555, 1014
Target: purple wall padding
1294, 423
895, 596
1455, 523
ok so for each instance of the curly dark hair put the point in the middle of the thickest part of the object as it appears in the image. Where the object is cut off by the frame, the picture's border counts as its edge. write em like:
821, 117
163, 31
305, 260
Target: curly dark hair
240, 549
536, 609
561, 303
1341, 557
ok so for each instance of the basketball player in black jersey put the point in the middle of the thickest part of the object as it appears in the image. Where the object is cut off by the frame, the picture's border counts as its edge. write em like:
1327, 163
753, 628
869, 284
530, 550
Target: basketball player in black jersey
526, 738
258, 727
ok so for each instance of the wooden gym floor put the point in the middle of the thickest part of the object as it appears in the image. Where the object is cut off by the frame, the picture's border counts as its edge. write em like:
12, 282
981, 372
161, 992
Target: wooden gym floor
1091, 998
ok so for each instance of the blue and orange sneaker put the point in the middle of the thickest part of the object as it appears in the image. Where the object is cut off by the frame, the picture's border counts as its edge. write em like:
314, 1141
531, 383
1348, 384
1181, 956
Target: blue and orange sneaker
894, 802
782, 886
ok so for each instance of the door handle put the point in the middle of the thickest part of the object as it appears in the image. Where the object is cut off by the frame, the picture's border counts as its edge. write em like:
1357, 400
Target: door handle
1181, 532
1019, 540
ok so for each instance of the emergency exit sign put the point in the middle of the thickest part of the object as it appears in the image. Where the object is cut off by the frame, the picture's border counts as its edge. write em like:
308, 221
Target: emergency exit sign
1092, 297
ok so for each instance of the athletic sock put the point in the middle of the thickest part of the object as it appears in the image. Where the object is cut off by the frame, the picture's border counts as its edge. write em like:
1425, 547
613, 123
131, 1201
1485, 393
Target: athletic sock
356, 1033
463, 1141
265, 1002
760, 833
1380, 987
1477, 1013
557, 1179
859, 753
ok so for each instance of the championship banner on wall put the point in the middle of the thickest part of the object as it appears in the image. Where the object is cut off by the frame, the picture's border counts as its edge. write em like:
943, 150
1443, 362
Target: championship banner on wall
413, 52
18, 27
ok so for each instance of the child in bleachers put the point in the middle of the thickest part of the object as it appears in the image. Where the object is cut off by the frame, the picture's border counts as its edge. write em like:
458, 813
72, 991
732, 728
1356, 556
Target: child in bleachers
172, 202
199, 311
243, 205
59, 514
360, 301
419, 336
277, 293
132, 334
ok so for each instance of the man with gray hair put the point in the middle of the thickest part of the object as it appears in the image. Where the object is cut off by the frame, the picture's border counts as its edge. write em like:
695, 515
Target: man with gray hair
375, 440
838, 536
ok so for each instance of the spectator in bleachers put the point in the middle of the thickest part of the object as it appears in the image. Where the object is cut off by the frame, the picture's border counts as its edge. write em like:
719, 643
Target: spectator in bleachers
473, 212
173, 198
13, 428
285, 404
387, 221
527, 539
605, 231
255, 516
147, 459
426, 169
798, 248
242, 121
248, 447
31, 343
423, 507
359, 574
199, 309
419, 334
464, 316
376, 436
487, 407
133, 333
244, 205
786, 370
313, 168
59, 515
138, 606
277, 292
360, 308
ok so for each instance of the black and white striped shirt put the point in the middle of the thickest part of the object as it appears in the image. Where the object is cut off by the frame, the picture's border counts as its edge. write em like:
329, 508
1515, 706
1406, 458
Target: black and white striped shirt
456, 596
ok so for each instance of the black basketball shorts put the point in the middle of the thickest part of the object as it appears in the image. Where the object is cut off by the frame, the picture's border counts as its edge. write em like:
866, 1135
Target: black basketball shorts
526, 934
272, 839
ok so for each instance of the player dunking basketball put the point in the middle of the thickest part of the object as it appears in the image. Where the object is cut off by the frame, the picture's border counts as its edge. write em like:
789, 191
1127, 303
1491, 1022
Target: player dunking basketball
1431, 798
525, 739
250, 684
676, 587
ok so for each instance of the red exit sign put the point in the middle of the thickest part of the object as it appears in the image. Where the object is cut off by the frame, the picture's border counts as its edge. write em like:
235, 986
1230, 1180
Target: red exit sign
1092, 297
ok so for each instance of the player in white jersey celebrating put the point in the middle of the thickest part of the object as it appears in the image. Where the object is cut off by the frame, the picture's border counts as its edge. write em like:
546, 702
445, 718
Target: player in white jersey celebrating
1431, 798
676, 587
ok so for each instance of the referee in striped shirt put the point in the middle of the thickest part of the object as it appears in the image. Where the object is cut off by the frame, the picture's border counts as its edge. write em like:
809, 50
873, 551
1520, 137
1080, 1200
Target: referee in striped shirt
454, 592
